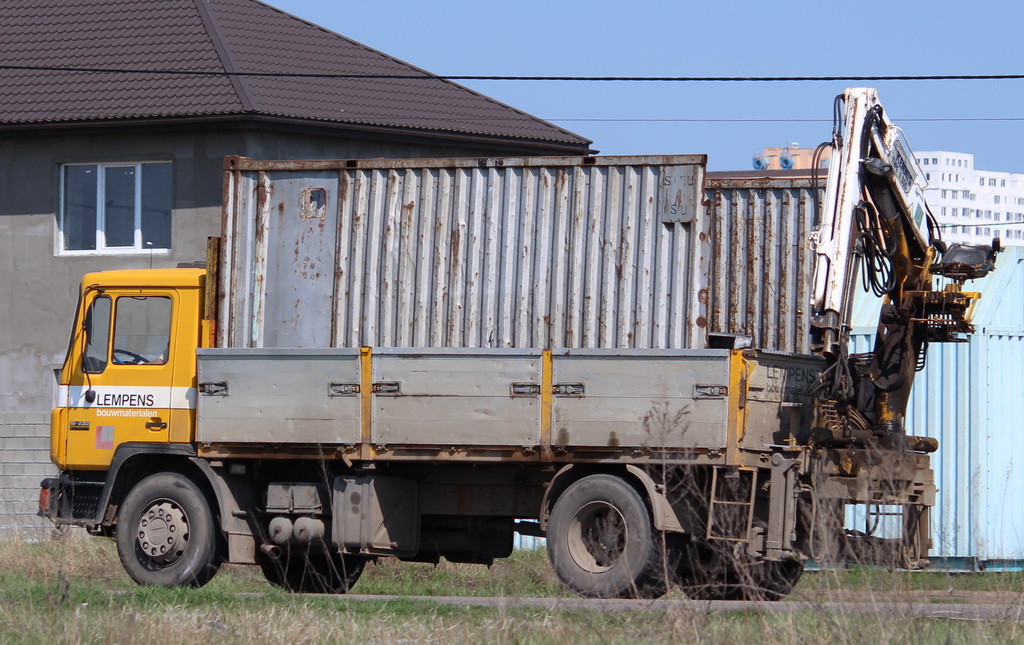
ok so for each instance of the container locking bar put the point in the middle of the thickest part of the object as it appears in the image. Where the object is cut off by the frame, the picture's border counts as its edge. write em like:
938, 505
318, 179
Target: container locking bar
576, 390
214, 389
387, 387
342, 389
702, 391
525, 389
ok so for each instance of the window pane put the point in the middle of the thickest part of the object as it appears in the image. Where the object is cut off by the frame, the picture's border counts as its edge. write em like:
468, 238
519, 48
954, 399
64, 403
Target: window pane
142, 330
156, 206
119, 206
79, 208
97, 325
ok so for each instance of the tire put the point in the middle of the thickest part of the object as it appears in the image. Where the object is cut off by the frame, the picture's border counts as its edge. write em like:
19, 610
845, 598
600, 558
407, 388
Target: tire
771, 580
601, 542
704, 573
313, 572
166, 533
707, 573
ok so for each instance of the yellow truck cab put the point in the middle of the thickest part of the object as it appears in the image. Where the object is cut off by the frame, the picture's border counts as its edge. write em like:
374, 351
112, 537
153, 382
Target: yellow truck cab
130, 371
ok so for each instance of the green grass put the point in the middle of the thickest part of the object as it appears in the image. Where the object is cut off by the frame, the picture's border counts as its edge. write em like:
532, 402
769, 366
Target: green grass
525, 574
879, 578
74, 591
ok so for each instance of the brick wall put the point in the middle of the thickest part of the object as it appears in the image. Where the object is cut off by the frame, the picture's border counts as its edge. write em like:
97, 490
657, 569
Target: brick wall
24, 462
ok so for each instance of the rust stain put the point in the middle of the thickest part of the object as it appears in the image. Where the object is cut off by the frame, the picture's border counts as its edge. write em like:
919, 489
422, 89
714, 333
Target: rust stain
760, 183
456, 238
342, 189
261, 196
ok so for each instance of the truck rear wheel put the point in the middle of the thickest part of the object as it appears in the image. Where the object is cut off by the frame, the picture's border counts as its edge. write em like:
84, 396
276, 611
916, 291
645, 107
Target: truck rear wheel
601, 542
707, 573
333, 573
166, 534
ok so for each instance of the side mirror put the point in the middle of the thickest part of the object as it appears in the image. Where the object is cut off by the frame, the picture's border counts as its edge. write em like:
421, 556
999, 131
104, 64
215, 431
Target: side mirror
96, 319
87, 325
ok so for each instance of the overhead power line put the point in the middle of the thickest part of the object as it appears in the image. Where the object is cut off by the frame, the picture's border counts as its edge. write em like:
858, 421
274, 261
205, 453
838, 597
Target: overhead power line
695, 120
973, 224
493, 77
78, 111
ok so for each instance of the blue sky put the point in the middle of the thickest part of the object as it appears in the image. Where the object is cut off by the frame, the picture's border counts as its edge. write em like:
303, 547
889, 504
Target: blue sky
716, 38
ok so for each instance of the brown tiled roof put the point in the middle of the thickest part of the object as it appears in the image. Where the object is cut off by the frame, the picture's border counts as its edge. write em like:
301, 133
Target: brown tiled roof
217, 36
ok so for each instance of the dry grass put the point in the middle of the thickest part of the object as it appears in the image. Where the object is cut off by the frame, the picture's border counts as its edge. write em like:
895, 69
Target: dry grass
73, 591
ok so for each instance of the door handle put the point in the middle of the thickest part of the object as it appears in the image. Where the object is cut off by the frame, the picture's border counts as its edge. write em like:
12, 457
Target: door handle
156, 425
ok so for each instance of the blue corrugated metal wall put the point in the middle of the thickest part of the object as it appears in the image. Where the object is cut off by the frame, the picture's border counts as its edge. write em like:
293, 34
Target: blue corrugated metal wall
970, 398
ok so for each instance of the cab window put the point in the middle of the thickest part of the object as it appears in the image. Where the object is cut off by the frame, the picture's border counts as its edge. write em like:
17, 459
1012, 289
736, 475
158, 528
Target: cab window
142, 330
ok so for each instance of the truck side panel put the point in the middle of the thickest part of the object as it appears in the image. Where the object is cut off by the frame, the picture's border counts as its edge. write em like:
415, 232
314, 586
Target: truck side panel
780, 406
450, 401
639, 399
456, 398
288, 396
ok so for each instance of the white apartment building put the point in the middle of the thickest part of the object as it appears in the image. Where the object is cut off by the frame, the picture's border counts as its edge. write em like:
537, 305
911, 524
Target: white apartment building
971, 205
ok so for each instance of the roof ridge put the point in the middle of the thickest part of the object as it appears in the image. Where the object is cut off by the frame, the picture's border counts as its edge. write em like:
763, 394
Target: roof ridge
241, 87
416, 68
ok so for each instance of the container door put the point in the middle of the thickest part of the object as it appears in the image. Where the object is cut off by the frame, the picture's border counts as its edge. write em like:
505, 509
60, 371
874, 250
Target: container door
296, 245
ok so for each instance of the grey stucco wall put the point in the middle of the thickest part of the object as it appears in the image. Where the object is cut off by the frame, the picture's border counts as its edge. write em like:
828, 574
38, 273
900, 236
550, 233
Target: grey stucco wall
39, 287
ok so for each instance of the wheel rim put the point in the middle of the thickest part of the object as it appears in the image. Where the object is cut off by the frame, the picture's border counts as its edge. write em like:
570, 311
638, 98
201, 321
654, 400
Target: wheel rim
597, 537
163, 532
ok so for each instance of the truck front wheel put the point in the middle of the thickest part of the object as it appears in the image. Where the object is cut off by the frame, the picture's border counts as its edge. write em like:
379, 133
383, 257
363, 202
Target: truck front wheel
601, 541
166, 535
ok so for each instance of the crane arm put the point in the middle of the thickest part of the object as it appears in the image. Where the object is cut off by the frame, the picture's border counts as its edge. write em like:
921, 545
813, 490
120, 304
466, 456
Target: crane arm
871, 229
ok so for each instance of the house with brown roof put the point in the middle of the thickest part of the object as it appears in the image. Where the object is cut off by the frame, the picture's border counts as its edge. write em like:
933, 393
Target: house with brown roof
115, 117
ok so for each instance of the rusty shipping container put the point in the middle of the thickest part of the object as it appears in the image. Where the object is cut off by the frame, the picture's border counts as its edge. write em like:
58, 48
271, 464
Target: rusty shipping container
552, 252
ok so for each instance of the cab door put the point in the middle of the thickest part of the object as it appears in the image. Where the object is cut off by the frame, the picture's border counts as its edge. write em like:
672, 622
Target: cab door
121, 391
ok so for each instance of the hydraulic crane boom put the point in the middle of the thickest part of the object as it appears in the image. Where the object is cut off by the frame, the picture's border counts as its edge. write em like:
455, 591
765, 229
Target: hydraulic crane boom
871, 226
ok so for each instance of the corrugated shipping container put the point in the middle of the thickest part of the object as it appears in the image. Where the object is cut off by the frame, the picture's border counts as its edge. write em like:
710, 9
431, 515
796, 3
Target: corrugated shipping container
761, 261
968, 397
595, 252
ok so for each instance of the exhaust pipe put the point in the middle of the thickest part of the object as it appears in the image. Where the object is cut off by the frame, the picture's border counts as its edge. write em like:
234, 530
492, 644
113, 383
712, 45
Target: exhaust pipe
271, 550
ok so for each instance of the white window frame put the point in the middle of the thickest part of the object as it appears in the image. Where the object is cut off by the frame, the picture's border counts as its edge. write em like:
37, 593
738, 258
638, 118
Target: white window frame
101, 247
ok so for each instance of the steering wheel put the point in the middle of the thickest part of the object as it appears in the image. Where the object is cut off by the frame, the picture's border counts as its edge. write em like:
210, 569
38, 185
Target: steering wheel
135, 359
